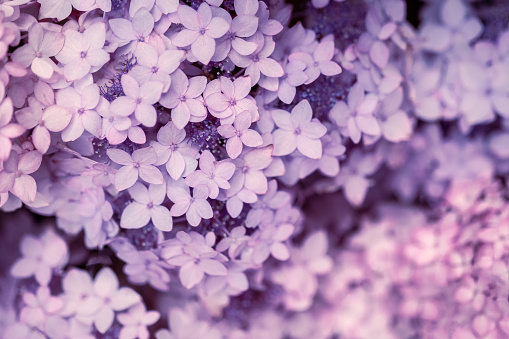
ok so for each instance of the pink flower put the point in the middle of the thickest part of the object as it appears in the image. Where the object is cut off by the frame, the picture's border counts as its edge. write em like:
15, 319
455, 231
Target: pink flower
153, 67
81, 103
213, 174
356, 117
135, 322
183, 98
319, 62
83, 52
249, 179
239, 133
8, 130
195, 207
233, 99
294, 76
243, 25
200, 31
147, 206
136, 31
111, 297
15, 176
39, 307
138, 99
139, 164
53, 119
172, 149
259, 61
298, 131
42, 45
117, 126
40, 257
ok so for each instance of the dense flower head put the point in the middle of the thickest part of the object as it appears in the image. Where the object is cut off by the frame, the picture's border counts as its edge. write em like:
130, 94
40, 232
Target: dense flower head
254, 169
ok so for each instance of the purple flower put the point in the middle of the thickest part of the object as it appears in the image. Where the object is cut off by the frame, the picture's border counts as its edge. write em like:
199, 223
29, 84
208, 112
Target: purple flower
201, 30
42, 45
183, 98
83, 52
172, 149
15, 176
147, 206
139, 164
213, 174
195, 207
138, 99
233, 99
239, 133
298, 131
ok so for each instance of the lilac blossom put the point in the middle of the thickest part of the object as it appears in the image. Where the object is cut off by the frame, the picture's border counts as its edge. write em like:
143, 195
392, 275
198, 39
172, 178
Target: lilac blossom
15, 176
147, 206
243, 25
213, 174
201, 30
172, 149
356, 116
52, 119
135, 32
248, 179
259, 62
138, 99
40, 306
153, 67
318, 63
40, 257
135, 322
239, 133
83, 52
195, 207
183, 98
298, 131
81, 103
42, 45
140, 163
232, 100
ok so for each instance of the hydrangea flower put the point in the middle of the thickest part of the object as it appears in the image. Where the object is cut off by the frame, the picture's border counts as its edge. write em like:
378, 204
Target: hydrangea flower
298, 131
42, 45
195, 207
83, 53
40, 257
139, 164
201, 30
146, 207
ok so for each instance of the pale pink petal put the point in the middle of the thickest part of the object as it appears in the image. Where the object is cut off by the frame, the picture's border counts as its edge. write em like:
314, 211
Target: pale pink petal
379, 54
151, 174
161, 218
135, 215
285, 142
234, 147
25, 188
280, 251
176, 165
190, 274
270, 68
217, 28
103, 319
312, 148
203, 48
185, 38
251, 138
213, 267
146, 114
125, 177
105, 283
124, 298
41, 139
119, 156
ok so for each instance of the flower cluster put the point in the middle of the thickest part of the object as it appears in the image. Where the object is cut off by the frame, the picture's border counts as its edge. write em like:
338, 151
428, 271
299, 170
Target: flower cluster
254, 169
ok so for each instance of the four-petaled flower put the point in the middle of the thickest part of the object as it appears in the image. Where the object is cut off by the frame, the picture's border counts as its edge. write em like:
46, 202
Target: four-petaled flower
298, 131
239, 133
147, 206
201, 30
140, 163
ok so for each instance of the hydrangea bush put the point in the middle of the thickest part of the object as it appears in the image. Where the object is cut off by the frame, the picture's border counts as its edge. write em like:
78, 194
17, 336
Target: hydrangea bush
250, 169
